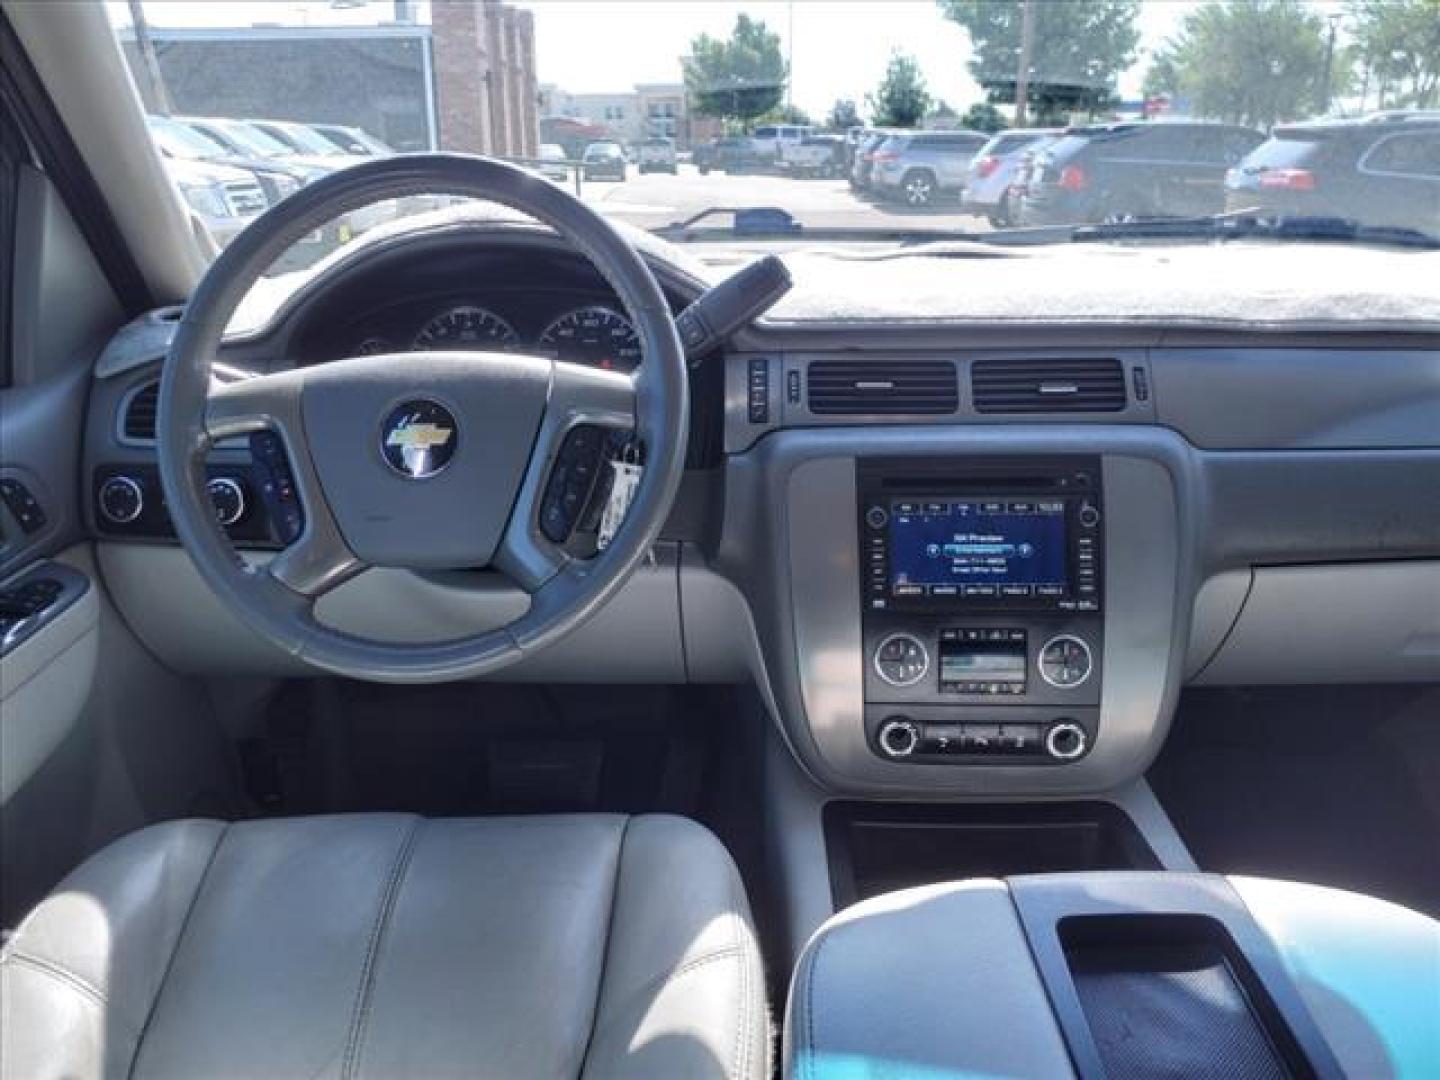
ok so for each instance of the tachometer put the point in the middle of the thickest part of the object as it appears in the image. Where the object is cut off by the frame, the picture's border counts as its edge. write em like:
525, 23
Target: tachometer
596, 336
467, 328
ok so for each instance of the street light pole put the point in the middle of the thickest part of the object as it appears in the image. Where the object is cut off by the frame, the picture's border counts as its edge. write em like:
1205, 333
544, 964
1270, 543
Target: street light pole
1334, 19
1022, 77
148, 61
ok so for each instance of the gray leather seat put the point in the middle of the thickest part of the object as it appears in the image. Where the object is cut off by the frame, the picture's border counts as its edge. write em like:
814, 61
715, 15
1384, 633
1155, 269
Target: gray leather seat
390, 945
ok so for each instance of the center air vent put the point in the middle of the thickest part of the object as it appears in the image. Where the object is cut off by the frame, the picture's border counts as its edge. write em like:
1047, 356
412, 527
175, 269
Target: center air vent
1055, 384
138, 424
891, 387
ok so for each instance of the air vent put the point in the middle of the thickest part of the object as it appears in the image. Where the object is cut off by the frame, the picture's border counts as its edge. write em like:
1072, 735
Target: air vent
139, 421
1048, 385
893, 387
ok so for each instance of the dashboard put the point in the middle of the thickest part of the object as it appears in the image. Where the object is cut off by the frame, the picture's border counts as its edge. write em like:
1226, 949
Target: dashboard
951, 559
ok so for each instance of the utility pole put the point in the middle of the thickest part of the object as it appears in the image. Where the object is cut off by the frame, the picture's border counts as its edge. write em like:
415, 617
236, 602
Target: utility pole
1334, 19
148, 61
790, 58
1022, 77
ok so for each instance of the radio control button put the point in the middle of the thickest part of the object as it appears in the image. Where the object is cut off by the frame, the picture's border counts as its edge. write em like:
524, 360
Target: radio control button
901, 660
876, 517
1065, 662
1049, 590
1089, 516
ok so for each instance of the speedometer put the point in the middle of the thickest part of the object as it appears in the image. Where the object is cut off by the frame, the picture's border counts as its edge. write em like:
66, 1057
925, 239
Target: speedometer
596, 336
467, 328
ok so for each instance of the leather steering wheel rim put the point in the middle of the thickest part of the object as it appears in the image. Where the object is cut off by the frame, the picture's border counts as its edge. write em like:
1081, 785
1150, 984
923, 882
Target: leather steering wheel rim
564, 592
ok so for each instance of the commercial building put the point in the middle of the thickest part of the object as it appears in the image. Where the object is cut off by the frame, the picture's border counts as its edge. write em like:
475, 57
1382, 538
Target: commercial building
648, 110
464, 82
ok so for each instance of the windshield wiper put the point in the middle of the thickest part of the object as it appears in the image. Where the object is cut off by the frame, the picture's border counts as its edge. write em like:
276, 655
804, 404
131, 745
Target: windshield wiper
1245, 226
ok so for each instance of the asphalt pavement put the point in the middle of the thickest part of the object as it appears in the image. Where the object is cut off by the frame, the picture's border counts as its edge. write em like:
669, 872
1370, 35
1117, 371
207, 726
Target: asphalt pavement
657, 199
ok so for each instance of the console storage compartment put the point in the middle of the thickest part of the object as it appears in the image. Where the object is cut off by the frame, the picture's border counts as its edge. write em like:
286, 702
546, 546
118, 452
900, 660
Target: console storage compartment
875, 848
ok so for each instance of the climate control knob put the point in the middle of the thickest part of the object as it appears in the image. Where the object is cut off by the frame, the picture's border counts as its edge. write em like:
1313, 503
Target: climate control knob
901, 660
1066, 741
122, 500
1065, 662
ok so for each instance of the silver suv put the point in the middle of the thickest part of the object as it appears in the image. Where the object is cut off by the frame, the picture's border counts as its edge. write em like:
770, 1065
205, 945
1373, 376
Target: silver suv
919, 167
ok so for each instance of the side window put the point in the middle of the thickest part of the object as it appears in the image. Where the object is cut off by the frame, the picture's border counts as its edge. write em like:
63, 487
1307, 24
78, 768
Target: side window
765, 133
1413, 154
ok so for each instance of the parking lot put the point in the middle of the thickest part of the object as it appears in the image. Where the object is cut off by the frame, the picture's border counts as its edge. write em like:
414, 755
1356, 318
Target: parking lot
658, 199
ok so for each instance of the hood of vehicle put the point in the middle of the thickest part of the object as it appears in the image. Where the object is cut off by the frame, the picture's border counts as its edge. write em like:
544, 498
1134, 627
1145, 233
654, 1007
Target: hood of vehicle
187, 171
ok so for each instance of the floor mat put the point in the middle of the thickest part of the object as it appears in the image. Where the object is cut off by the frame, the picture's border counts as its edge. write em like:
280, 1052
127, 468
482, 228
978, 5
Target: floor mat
1331, 785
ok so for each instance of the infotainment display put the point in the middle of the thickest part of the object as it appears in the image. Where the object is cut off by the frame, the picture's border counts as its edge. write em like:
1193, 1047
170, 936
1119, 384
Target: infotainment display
984, 548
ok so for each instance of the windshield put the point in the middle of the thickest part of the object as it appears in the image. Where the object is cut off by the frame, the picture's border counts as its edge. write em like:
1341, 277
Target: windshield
904, 121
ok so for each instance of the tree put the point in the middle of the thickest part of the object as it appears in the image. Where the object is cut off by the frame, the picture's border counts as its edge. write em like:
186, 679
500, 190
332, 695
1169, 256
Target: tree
843, 114
1398, 45
902, 98
1079, 48
738, 78
982, 116
1250, 62
785, 114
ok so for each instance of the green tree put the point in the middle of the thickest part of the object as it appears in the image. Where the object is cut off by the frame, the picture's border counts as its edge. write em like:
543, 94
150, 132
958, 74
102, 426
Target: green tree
1398, 44
1251, 62
739, 77
785, 114
982, 116
843, 114
902, 98
1079, 48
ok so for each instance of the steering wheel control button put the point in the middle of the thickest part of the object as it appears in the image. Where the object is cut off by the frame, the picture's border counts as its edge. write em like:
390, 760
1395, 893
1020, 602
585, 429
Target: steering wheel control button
228, 498
22, 504
418, 438
901, 660
571, 482
1065, 662
276, 486
122, 500
1066, 741
899, 737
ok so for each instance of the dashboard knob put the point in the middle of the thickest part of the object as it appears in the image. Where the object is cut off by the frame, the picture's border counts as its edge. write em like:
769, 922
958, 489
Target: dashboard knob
1089, 516
228, 499
901, 660
122, 499
876, 517
899, 737
1064, 662
1066, 741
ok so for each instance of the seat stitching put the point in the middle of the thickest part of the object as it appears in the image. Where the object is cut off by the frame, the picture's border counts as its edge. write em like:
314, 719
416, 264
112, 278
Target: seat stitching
143, 1030
740, 1058
595, 1023
360, 1009
58, 971
808, 1002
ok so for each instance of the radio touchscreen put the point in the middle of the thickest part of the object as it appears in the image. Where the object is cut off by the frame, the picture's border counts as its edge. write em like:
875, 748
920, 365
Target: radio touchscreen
981, 548
982, 536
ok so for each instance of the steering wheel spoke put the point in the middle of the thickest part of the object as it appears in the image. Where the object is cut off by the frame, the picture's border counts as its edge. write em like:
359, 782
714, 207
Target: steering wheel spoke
257, 403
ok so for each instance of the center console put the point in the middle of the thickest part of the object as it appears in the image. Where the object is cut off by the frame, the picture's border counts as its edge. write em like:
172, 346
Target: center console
982, 607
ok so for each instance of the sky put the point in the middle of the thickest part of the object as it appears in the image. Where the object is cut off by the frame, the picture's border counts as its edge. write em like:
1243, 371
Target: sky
837, 48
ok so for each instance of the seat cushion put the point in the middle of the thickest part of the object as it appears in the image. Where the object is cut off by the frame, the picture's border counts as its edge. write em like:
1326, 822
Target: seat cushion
383, 945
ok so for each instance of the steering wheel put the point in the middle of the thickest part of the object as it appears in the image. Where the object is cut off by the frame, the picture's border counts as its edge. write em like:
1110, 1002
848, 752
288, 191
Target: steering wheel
426, 461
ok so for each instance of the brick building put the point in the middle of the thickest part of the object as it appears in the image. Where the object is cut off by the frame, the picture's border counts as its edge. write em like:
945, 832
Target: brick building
465, 82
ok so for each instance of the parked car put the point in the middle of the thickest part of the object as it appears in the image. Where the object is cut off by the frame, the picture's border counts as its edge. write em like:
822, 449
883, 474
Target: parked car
991, 179
921, 167
221, 198
727, 155
1383, 171
553, 162
240, 137
864, 159
604, 161
1133, 170
354, 140
770, 141
302, 139
657, 155
819, 155
276, 178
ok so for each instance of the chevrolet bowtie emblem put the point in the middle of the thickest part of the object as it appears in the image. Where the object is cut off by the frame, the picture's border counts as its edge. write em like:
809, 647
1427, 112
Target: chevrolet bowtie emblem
418, 438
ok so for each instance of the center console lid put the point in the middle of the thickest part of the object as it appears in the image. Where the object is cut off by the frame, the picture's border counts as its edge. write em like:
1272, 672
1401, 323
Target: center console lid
1125, 975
